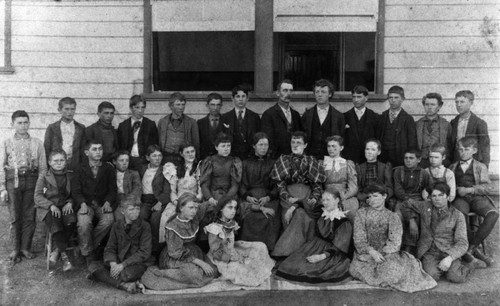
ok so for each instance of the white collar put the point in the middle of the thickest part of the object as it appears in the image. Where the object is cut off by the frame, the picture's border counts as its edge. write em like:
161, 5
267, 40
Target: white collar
334, 214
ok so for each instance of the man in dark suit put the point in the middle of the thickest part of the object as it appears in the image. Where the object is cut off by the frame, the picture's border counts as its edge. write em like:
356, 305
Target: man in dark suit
66, 134
209, 126
468, 124
322, 120
280, 121
137, 133
240, 123
397, 129
103, 131
361, 125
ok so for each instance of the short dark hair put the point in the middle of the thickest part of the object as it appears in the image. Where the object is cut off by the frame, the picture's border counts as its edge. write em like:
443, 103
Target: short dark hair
258, 136
119, 153
438, 147
239, 88
19, 114
397, 90
221, 204
284, 81
174, 97
66, 101
103, 105
214, 96
136, 99
375, 188
184, 199
91, 142
300, 134
185, 144
55, 152
324, 83
433, 95
222, 138
466, 94
338, 139
153, 148
468, 141
376, 141
441, 186
415, 151
360, 89
129, 200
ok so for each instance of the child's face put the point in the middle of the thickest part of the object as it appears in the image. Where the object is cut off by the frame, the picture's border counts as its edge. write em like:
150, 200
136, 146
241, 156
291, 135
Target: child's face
229, 211
439, 199
188, 211
359, 100
329, 201
21, 125
322, 94
94, 153
431, 107
178, 107
411, 160
436, 159
395, 100
334, 148
57, 162
371, 151
121, 163
131, 213
376, 200
155, 158
189, 154
261, 147
67, 112
466, 153
463, 105
223, 149
107, 115
138, 110
214, 107
298, 145
240, 99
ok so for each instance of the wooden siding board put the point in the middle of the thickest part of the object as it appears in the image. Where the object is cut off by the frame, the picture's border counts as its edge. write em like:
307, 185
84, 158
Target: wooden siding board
77, 60
77, 44
97, 91
441, 60
481, 91
73, 13
441, 75
77, 29
442, 12
76, 75
442, 44
436, 28
439, 3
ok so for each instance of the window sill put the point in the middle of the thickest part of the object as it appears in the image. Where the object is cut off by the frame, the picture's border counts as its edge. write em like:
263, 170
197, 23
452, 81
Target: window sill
7, 70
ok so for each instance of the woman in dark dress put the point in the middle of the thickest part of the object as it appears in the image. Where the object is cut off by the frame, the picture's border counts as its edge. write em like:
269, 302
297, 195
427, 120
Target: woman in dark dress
259, 208
325, 258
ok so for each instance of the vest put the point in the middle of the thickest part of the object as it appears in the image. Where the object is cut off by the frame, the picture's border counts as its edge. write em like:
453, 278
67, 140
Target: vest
389, 141
319, 132
464, 179
175, 137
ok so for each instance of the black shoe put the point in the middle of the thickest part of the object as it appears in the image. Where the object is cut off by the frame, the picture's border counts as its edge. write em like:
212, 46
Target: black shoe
479, 255
468, 258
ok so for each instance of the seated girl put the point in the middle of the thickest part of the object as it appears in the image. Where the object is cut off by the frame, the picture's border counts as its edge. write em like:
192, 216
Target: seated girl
182, 264
377, 237
341, 175
183, 178
241, 262
259, 209
326, 257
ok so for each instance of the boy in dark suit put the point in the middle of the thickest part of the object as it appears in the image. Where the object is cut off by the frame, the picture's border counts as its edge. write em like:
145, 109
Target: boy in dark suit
209, 126
137, 133
128, 182
241, 124
361, 125
280, 121
103, 130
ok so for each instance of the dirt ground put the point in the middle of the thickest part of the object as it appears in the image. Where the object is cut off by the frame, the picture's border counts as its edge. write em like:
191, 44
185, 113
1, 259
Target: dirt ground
29, 283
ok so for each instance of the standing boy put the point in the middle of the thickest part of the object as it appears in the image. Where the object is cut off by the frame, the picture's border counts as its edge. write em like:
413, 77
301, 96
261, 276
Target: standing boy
137, 133
22, 160
361, 125
209, 126
66, 134
397, 129
468, 124
322, 120
103, 131
241, 124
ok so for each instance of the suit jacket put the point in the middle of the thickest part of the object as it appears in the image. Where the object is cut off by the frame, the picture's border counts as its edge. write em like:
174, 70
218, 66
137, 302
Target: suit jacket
161, 187
94, 132
450, 235
148, 135
444, 135
132, 184
206, 140
475, 127
384, 174
406, 136
132, 248
47, 192
53, 141
85, 188
274, 124
482, 183
354, 139
251, 120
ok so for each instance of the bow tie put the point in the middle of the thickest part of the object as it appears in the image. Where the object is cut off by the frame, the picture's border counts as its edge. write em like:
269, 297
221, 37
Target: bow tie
136, 126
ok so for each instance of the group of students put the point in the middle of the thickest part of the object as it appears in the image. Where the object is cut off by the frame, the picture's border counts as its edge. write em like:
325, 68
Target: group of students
326, 195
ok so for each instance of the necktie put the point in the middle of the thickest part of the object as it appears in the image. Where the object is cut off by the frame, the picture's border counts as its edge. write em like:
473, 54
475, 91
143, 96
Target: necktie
240, 117
136, 126
215, 123
392, 116
429, 126
288, 115
127, 228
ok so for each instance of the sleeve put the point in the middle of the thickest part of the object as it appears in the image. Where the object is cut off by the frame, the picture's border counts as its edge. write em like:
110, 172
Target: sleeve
42, 160
399, 191
236, 170
76, 188
460, 237
40, 200
176, 249
153, 135
342, 238
136, 185
216, 243
199, 194
484, 186
352, 180
111, 249
242, 191
206, 169
47, 141
450, 180
360, 235
112, 187
388, 180
119, 133
3, 163
145, 246
483, 142
162, 132
411, 132
164, 196
195, 136
170, 174
395, 235
361, 195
